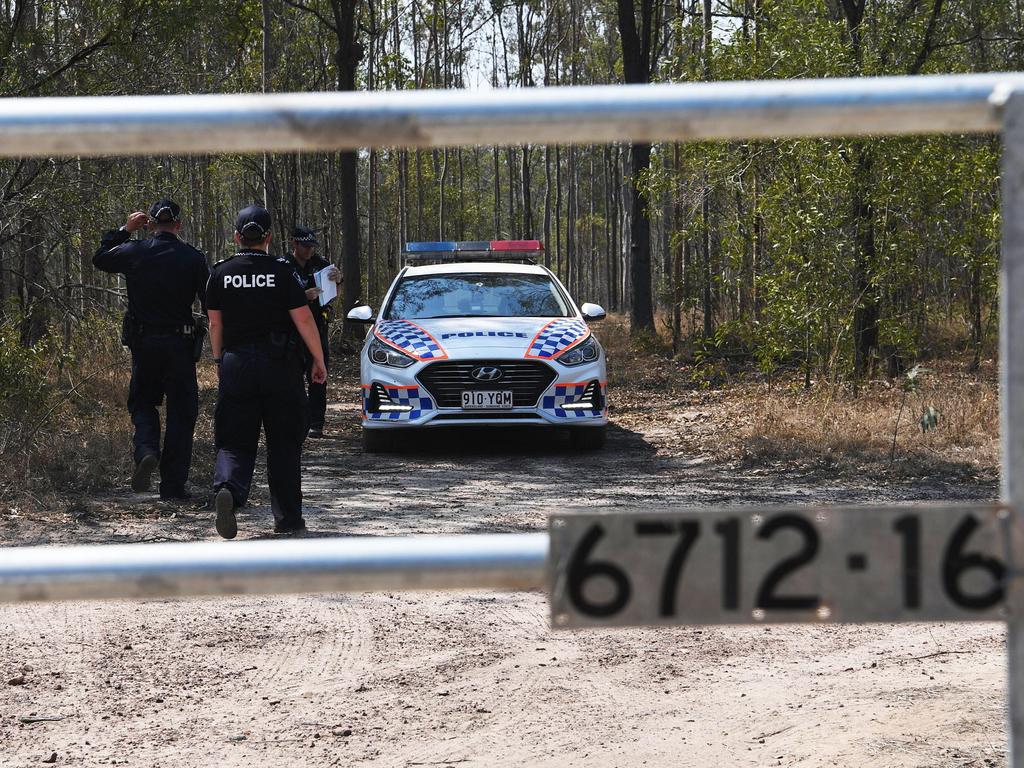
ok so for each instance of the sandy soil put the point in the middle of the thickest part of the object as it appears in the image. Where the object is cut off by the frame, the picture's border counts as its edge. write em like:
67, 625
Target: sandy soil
439, 679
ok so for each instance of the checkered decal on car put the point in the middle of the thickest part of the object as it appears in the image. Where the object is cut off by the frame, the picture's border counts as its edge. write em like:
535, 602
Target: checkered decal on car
410, 338
419, 400
556, 337
571, 393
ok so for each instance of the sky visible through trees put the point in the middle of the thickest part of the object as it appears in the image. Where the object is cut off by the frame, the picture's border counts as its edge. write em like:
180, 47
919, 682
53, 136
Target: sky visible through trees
830, 256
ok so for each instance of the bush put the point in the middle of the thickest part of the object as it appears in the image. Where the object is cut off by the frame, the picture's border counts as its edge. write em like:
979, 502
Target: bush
63, 427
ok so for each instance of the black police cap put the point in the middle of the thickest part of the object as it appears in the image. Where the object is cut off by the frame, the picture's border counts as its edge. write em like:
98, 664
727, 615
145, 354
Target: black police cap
165, 211
253, 223
304, 235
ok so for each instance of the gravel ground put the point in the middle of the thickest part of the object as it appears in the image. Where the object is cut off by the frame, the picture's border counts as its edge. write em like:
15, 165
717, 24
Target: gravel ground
478, 678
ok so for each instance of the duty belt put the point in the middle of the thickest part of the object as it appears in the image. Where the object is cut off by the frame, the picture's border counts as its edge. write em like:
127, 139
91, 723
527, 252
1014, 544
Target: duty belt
156, 329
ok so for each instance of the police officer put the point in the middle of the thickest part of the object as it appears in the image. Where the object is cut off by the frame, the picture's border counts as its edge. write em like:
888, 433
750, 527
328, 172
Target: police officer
307, 264
258, 312
164, 276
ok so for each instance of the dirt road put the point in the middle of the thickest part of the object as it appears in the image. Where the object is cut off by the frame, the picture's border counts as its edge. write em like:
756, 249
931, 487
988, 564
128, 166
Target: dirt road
477, 679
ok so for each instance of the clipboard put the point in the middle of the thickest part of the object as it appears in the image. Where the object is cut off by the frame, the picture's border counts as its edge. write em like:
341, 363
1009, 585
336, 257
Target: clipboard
328, 288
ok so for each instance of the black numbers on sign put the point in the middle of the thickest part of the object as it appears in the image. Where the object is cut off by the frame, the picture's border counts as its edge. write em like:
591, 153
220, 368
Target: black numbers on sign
689, 531
971, 578
729, 530
955, 563
582, 570
766, 597
909, 527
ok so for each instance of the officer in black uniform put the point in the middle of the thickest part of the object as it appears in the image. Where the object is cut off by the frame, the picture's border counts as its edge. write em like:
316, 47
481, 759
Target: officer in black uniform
258, 312
307, 264
164, 276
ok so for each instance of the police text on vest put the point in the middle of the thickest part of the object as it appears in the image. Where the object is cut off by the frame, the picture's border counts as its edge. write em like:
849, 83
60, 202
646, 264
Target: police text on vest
248, 281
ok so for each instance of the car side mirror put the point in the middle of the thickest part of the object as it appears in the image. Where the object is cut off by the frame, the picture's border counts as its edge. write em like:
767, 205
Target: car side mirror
593, 312
363, 314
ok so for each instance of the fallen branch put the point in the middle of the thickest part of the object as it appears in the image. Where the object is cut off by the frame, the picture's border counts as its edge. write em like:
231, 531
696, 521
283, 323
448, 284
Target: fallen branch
774, 733
937, 653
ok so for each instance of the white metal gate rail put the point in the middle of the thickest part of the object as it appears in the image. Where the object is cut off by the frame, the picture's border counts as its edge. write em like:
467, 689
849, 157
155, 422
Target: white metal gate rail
94, 126
139, 125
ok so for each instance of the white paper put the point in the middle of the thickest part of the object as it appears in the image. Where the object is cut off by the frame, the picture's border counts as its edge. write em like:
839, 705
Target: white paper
328, 288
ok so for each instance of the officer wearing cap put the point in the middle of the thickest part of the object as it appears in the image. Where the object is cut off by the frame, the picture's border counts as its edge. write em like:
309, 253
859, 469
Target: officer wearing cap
164, 276
258, 313
307, 264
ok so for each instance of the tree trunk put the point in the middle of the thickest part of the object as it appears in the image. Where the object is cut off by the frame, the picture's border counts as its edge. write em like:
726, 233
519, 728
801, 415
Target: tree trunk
708, 296
497, 193
637, 59
866, 308
347, 58
547, 206
677, 254
527, 198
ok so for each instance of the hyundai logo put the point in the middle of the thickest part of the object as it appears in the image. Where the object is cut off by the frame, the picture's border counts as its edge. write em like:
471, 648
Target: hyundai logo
486, 373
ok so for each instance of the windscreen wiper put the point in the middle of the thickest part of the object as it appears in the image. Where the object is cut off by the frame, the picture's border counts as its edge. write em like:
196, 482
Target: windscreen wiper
442, 317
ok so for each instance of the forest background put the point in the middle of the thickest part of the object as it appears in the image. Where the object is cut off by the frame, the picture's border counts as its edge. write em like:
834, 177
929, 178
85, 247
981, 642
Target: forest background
837, 260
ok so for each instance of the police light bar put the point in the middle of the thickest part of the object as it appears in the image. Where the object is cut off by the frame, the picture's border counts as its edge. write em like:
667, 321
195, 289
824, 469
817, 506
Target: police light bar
479, 250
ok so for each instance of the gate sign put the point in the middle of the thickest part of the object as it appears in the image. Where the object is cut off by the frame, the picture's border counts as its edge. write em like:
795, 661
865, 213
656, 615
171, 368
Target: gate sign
744, 566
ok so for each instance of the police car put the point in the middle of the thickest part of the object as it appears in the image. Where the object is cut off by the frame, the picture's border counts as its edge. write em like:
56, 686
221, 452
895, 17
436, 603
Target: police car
474, 333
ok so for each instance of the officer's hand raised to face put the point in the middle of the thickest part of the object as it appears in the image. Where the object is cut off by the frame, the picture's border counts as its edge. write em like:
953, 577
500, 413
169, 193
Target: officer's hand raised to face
136, 221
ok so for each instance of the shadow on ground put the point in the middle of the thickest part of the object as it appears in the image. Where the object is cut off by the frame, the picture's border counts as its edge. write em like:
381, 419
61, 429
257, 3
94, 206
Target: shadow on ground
479, 442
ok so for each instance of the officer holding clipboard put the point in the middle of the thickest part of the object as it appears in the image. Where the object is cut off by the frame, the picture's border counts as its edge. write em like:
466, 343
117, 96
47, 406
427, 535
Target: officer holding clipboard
308, 263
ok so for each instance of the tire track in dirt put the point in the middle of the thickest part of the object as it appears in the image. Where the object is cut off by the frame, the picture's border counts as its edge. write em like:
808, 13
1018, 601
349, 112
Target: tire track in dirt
298, 644
55, 637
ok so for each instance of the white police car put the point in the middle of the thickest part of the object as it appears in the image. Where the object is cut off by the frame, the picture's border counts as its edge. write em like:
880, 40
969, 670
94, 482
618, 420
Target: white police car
478, 339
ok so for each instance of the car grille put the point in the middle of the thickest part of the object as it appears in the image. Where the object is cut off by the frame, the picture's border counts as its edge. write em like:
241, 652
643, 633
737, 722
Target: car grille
526, 378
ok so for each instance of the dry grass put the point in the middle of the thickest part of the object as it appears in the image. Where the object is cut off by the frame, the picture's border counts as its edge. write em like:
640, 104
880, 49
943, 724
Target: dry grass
67, 434
737, 415
832, 428
61, 430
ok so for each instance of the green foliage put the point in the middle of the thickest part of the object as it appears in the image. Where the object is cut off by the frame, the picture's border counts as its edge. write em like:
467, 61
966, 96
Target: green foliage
25, 389
911, 380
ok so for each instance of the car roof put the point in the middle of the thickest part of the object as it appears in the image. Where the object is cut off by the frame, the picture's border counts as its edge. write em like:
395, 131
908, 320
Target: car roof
476, 267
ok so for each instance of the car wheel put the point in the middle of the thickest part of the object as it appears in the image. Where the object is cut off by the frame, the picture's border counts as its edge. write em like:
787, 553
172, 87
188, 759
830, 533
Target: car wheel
378, 441
588, 438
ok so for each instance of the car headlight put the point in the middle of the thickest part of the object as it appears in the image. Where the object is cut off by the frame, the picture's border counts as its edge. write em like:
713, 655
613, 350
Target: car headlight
587, 352
384, 354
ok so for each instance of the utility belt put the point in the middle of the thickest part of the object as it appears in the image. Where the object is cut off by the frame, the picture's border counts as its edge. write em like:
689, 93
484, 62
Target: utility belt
277, 345
132, 330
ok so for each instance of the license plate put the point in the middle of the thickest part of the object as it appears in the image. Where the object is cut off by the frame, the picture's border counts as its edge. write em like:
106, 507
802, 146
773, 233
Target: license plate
754, 566
487, 399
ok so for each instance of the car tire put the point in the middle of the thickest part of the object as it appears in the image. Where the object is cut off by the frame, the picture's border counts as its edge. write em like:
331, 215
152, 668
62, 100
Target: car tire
588, 438
378, 441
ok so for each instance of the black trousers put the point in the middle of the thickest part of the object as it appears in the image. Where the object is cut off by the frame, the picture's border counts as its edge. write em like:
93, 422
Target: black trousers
318, 392
258, 389
162, 366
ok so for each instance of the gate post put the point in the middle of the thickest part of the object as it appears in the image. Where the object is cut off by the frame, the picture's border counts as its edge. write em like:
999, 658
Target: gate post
1011, 406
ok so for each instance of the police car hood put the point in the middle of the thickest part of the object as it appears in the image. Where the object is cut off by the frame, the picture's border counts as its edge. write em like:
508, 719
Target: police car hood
486, 337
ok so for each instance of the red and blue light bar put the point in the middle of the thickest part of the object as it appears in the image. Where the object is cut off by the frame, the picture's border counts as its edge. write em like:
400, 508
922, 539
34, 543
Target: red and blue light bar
473, 250
475, 246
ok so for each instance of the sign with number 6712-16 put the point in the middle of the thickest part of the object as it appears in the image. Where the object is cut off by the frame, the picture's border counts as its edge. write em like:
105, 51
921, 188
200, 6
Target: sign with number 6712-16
743, 566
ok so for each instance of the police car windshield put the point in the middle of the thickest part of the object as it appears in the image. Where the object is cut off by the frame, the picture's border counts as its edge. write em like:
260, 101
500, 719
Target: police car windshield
477, 295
